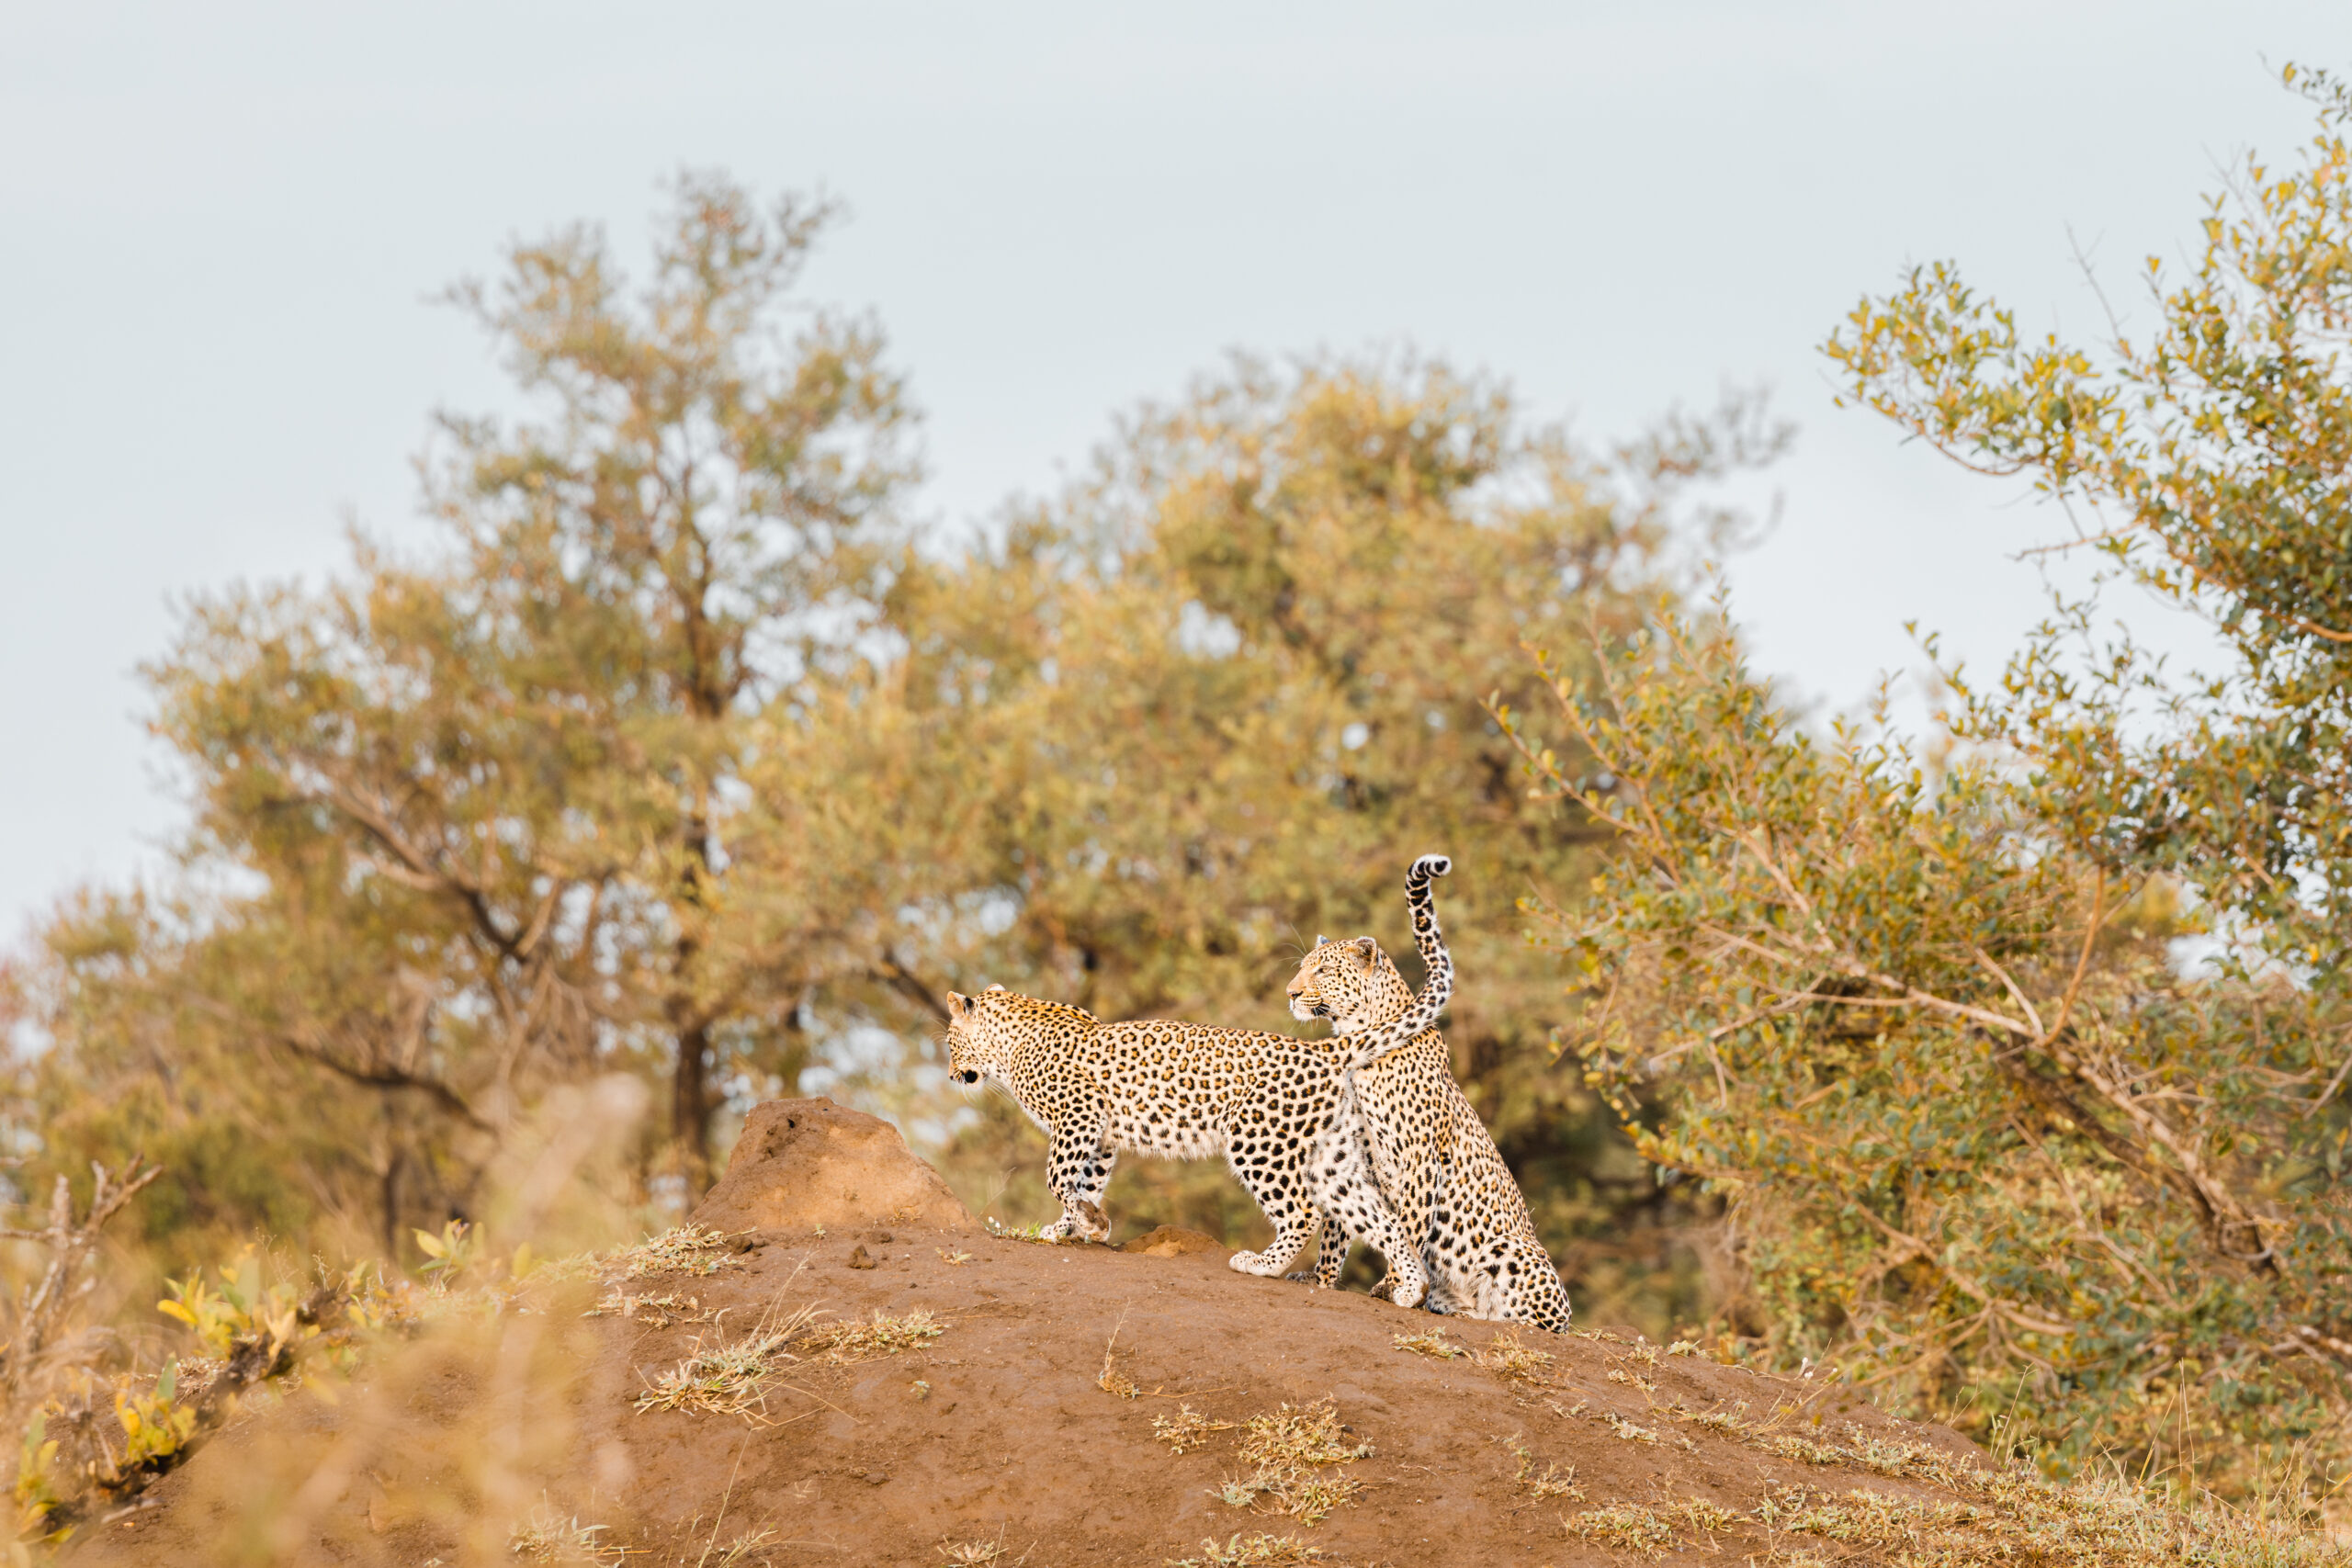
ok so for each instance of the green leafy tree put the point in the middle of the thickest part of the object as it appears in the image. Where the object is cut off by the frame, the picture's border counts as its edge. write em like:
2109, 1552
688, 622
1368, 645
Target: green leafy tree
2208, 459
684, 759
470, 826
1988, 1138
1224, 689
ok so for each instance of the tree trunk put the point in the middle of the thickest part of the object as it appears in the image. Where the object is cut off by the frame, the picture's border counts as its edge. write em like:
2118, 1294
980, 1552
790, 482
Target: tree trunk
690, 1090
690, 1109
389, 1196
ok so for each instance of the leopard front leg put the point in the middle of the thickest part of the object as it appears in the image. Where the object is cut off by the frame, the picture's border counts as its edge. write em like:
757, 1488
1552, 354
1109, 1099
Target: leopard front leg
1078, 1167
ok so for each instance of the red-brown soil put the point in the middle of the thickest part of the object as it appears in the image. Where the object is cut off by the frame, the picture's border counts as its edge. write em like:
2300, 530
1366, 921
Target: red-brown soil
1000, 1431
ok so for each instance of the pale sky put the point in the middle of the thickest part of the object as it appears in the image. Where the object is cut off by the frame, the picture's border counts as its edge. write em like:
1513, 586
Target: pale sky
219, 226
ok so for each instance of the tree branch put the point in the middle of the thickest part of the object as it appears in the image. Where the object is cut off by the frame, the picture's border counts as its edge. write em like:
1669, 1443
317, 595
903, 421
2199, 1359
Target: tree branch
371, 1078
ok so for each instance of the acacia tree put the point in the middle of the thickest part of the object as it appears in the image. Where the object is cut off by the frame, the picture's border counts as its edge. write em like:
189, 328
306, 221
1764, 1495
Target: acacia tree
474, 824
1986, 1140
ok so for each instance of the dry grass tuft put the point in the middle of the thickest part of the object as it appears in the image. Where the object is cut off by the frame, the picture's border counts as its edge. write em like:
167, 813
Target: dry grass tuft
1997, 1517
731, 1377
980, 1553
1301, 1434
1187, 1429
654, 1312
1507, 1356
1651, 1530
1287, 1446
1113, 1381
1788, 1445
1626, 1431
682, 1249
1701, 1515
740, 1549
1301, 1494
1258, 1551
1551, 1483
1434, 1344
847, 1344
1727, 1421
545, 1538
728, 1378
1627, 1527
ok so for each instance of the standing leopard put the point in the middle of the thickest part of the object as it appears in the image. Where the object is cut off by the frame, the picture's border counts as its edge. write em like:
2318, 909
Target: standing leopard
1281, 1109
1436, 1163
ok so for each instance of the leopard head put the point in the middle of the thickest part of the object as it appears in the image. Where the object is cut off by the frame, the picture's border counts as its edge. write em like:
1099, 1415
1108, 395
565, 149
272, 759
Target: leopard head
986, 1033
1353, 984
978, 1042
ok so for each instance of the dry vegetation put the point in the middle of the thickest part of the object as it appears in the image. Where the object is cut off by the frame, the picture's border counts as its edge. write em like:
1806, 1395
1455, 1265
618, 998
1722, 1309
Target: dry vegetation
1293, 1452
1952, 1512
1552, 1482
545, 1538
1187, 1429
1253, 1551
1997, 1518
682, 1249
1506, 1353
731, 1377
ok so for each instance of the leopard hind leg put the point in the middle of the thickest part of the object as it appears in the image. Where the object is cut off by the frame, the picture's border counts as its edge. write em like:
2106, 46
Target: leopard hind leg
1344, 1188
1272, 1175
1535, 1292
1330, 1258
1514, 1282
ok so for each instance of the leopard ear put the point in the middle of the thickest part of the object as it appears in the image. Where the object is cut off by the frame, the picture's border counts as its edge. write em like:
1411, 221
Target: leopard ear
1367, 949
998, 988
957, 1004
1320, 938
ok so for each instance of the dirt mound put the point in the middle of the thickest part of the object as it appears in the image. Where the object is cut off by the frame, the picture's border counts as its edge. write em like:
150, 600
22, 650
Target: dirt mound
977, 1400
1175, 1241
804, 1162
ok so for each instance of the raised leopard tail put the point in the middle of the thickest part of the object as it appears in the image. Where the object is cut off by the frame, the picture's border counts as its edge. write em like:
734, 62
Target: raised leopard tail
1368, 1047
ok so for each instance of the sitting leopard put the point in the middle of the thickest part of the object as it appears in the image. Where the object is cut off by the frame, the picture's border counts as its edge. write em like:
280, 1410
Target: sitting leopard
1436, 1163
1281, 1109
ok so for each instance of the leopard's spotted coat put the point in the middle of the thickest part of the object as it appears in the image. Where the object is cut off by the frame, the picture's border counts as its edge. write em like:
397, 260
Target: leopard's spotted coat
1436, 1163
1281, 1111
